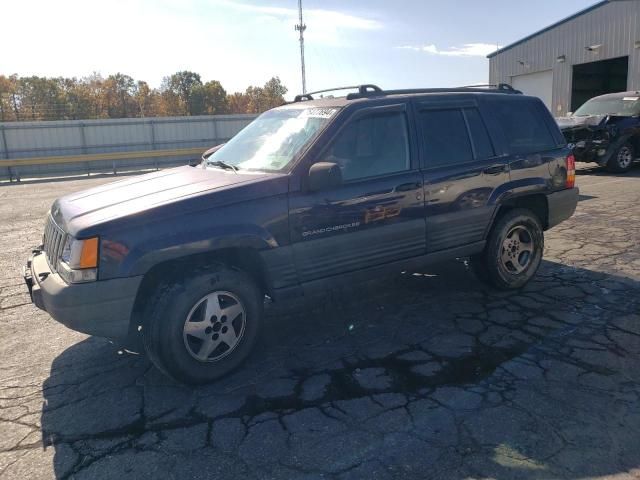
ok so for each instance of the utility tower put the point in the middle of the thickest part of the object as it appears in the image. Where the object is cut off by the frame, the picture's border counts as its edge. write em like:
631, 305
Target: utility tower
301, 27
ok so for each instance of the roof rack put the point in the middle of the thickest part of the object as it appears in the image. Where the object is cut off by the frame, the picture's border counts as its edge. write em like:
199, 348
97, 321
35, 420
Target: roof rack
370, 90
362, 90
500, 88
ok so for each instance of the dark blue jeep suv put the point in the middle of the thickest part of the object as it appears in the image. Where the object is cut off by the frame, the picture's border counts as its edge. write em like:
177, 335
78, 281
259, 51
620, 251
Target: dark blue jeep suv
310, 195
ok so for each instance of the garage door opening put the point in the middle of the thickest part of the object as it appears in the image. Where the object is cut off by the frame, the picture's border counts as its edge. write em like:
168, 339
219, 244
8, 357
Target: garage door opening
597, 78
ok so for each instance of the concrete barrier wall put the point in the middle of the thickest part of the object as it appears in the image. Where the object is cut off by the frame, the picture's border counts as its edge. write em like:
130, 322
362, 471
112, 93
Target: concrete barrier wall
25, 140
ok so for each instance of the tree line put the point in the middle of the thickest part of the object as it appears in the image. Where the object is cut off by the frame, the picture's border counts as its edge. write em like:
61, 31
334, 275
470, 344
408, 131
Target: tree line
120, 96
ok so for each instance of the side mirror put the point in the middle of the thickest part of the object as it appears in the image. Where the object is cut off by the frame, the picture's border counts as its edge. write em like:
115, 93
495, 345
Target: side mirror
324, 176
569, 114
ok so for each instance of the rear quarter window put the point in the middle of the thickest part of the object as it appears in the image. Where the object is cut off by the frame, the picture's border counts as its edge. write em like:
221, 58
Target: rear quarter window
524, 127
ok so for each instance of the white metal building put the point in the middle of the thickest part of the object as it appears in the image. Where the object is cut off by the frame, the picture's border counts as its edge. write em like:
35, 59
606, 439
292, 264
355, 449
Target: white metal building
593, 52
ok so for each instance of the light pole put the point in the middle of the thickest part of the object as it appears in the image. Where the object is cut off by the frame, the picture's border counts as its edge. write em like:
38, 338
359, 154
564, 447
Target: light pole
301, 27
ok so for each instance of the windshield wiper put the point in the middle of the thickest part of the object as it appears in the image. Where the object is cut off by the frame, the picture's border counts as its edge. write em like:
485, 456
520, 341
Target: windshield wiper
225, 165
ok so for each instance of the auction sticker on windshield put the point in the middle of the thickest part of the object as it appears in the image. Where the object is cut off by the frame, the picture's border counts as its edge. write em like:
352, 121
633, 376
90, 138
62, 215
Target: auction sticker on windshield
318, 113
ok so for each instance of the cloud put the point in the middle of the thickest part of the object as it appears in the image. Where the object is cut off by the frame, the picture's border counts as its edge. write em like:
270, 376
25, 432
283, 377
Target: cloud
320, 16
466, 50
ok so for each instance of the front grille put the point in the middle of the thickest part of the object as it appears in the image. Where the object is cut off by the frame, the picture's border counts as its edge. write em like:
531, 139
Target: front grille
54, 238
573, 136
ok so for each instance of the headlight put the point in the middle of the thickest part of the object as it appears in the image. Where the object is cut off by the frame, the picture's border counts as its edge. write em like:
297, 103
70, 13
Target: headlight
79, 260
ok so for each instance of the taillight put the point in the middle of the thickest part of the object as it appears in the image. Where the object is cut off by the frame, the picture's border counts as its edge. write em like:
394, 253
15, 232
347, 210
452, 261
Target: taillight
571, 171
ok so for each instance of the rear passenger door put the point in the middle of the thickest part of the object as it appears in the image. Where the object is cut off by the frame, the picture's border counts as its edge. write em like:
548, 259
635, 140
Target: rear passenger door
461, 172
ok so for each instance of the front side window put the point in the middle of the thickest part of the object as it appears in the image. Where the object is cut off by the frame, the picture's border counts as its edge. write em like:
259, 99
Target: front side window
273, 140
374, 145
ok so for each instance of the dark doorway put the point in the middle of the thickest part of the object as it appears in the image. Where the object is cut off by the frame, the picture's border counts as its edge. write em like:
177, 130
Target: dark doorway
597, 78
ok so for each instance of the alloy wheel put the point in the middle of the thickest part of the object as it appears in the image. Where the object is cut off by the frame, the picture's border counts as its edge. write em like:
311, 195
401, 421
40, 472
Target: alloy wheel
625, 157
214, 327
517, 249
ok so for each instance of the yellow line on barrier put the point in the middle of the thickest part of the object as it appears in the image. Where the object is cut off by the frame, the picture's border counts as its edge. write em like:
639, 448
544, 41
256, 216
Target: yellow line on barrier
94, 157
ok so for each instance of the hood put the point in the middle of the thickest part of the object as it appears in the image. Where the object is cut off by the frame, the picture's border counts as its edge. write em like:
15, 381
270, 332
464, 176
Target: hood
146, 192
570, 123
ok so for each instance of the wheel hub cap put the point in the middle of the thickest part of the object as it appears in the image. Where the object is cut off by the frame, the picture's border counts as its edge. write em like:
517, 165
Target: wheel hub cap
624, 157
214, 326
517, 249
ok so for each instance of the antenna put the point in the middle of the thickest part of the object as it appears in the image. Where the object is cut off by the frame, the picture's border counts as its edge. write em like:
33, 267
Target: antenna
301, 27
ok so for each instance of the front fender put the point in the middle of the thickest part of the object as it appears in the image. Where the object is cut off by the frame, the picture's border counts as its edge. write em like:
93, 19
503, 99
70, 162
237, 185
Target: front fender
140, 261
613, 148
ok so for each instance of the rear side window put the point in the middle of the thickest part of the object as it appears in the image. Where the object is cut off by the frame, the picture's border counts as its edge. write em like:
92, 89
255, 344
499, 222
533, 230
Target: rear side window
524, 127
445, 137
479, 135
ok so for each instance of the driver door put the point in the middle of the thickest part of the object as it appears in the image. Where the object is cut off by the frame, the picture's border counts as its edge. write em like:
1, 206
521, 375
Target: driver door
375, 215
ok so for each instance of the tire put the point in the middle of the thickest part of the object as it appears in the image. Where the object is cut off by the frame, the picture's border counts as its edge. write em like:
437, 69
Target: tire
513, 251
622, 160
177, 334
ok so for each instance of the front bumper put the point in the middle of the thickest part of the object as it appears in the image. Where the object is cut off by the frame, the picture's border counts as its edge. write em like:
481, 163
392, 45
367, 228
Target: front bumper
589, 154
102, 308
562, 205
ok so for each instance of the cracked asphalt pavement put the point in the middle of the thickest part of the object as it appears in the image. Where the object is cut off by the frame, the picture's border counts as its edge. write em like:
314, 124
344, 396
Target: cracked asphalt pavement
424, 374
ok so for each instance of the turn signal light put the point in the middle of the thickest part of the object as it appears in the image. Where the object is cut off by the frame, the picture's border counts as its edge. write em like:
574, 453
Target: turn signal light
571, 171
89, 255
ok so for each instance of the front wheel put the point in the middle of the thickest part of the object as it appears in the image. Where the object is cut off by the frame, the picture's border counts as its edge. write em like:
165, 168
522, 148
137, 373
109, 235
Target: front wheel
513, 251
202, 327
622, 160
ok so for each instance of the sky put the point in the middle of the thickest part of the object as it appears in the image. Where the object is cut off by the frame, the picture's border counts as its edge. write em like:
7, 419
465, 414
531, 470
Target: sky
394, 44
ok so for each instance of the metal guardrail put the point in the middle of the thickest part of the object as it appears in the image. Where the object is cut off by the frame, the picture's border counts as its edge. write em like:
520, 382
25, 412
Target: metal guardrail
94, 157
14, 164
72, 147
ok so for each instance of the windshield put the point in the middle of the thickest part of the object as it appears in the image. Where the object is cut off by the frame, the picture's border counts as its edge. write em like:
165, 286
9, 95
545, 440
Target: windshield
622, 106
272, 141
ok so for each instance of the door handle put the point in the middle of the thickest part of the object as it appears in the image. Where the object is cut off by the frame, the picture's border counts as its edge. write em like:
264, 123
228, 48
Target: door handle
495, 169
407, 187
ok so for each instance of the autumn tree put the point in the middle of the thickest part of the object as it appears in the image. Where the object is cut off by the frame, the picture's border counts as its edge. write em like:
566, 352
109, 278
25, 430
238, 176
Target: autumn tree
266, 97
145, 99
238, 103
209, 99
119, 89
120, 95
41, 98
9, 108
178, 90
274, 92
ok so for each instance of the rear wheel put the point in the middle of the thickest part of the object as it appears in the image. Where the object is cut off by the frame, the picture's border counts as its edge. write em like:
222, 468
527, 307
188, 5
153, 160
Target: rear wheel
622, 160
201, 328
513, 251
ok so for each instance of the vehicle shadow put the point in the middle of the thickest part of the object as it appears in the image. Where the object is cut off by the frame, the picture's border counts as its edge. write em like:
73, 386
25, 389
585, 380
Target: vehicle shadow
422, 374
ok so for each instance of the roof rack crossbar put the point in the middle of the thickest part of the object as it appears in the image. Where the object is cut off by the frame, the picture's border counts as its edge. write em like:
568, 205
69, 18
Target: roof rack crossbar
499, 86
362, 90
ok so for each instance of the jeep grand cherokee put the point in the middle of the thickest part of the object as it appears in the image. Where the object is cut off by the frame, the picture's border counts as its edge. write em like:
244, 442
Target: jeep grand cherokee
311, 194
